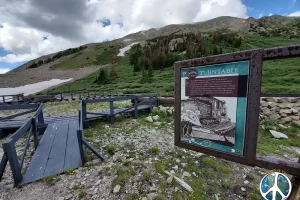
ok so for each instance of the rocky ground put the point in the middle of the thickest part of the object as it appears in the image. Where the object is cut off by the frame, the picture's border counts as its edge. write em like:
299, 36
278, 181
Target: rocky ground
137, 153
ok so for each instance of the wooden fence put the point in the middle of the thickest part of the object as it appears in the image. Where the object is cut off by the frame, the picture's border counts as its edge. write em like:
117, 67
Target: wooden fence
10, 153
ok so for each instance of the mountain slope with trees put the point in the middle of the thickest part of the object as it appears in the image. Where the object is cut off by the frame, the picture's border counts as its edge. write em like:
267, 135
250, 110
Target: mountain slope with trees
148, 65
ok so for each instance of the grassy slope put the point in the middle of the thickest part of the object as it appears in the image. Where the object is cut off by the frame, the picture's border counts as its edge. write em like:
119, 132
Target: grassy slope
280, 76
96, 54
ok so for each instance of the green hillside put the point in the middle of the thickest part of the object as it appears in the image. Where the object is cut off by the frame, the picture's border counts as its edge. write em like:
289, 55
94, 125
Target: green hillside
280, 76
148, 66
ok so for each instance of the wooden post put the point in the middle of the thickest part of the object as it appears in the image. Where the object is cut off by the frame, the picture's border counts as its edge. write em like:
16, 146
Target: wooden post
135, 108
10, 149
3, 164
61, 96
295, 195
150, 101
83, 110
157, 101
41, 116
35, 133
79, 137
112, 115
1, 133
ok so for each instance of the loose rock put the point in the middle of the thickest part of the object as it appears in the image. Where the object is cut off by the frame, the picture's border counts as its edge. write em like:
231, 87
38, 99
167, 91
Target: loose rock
278, 135
116, 189
149, 119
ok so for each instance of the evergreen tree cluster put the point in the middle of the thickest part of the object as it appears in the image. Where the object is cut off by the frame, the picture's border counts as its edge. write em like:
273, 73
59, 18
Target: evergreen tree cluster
163, 51
103, 77
229, 38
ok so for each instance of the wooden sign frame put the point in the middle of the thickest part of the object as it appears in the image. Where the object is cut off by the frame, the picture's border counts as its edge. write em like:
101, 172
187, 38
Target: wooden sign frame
255, 58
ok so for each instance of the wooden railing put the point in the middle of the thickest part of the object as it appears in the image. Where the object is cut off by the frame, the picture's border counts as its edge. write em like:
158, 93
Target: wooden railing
11, 98
84, 143
10, 153
111, 114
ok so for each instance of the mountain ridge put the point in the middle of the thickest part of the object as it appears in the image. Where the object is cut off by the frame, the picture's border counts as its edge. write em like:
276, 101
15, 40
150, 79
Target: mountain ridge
97, 54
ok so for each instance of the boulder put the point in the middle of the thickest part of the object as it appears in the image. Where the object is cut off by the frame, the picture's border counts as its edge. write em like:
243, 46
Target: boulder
278, 135
294, 110
297, 122
169, 180
163, 109
278, 100
264, 104
296, 118
157, 123
275, 116
186, 174
276, 109
149, 119
266, 111
151, 196
283, 115
271, 105
286, 111
287, 119
292, 99
156, 118
116, 189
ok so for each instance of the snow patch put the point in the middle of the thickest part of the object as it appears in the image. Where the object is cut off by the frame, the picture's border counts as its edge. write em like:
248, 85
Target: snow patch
123, 50
127, 40
32, 88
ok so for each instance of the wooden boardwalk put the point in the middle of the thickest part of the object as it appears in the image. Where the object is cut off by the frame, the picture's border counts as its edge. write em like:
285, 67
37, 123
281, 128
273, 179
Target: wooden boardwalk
61, 146
57, 152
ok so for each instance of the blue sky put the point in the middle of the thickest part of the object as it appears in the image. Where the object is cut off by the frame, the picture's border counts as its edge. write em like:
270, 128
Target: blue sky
36, 34
256, 8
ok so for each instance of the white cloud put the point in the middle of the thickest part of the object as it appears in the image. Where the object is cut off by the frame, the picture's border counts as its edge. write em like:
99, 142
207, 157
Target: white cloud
260, 15
295, 14
270, 14
24, 28
294, 1
4, 70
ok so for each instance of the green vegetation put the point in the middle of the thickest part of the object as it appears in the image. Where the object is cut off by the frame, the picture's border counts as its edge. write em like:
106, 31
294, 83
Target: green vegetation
123, 174
146, 175
70, 171
267, 144
51, 180
108, 55
103, 77
160, 166
81, 194
279, 76
111, 150
95, 54
133, 196
154, 150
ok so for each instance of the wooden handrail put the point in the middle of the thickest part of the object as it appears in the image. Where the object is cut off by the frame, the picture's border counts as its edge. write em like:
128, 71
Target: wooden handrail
10, 150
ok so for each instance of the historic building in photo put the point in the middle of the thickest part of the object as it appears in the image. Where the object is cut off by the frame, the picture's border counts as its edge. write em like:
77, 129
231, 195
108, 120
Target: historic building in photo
209, 107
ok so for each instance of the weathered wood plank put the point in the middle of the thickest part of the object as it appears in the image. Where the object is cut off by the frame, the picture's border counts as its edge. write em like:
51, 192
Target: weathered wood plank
72, 158
56, 160
39, 160
18, 106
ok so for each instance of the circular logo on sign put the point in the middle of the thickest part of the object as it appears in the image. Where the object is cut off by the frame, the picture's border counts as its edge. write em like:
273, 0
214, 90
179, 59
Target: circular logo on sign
275, 186
192, 73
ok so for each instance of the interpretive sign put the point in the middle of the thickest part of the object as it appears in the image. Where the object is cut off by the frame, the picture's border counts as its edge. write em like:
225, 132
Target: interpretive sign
213, 106
217, 102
